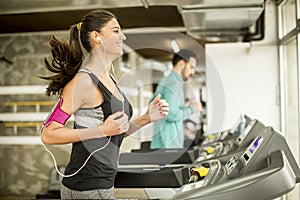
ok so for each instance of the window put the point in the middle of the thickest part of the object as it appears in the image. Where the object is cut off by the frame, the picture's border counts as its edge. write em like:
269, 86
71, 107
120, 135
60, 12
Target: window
289, 45
287, 14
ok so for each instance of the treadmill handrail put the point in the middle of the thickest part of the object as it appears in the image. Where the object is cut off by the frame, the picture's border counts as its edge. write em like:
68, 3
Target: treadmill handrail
279, 165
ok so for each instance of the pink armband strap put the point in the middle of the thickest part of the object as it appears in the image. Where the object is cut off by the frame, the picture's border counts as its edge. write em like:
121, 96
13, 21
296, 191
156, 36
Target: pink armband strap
57, 114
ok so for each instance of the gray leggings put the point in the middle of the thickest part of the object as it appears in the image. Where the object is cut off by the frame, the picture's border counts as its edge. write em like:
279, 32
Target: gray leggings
67, 193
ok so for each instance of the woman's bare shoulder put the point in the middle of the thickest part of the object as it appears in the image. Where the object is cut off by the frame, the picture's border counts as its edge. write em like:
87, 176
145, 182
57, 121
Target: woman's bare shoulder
80, 85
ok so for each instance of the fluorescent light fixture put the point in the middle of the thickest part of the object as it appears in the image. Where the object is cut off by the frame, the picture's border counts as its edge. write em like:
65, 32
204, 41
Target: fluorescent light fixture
175, 46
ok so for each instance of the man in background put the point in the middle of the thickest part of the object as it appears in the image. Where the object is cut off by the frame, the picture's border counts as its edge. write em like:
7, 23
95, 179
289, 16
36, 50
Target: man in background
168, 133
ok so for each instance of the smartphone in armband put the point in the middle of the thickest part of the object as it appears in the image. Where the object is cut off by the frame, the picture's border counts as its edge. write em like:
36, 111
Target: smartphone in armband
57, 114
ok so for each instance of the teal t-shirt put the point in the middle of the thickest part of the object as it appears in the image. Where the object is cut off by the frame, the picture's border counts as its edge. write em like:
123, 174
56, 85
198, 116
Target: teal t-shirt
168, 132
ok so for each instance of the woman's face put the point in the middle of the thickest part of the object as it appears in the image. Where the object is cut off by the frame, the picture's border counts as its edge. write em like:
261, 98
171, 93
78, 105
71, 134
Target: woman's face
112, 38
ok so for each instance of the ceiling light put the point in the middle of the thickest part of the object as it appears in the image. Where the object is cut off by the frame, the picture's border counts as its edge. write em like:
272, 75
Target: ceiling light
175, 46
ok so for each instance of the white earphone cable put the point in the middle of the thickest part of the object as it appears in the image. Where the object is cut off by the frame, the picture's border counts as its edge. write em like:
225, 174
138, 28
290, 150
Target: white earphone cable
55, 163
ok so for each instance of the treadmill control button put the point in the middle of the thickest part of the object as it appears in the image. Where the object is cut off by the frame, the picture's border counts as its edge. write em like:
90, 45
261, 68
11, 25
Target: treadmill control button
209, 150
198, 173
210, 137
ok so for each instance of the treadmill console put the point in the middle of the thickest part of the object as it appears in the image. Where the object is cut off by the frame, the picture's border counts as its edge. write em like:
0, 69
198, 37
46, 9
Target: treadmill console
241, 137
202, 174
209, 151
235, 165
251, 150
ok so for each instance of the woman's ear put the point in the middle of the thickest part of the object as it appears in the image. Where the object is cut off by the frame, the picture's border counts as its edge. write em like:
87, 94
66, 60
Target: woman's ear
95, 37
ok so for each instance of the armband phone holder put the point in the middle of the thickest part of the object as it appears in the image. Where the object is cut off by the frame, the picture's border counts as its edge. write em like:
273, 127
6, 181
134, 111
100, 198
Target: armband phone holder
57, 114
60, 116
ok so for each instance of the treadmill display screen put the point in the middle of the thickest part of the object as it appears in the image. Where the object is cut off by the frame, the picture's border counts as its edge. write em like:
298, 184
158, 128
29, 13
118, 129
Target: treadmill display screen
256, 144
245, 133
246, 157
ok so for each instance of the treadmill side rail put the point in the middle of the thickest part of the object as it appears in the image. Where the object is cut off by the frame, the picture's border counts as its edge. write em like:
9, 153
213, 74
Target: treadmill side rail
278, 176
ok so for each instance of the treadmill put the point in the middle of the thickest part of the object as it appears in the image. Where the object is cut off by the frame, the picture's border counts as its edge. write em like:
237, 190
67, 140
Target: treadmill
236, 130
225, 147
183, 155
266, 160
164, 157
149, 174
267, 169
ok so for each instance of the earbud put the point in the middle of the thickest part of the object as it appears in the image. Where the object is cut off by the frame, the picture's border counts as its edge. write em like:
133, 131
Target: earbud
99, 39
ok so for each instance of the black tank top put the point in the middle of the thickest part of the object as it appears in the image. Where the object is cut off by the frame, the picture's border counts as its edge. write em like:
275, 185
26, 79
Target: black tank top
100, 170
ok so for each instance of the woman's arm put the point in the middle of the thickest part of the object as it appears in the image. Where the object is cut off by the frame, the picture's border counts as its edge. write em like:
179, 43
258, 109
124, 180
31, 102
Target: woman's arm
157, 110
56, 133
77, 93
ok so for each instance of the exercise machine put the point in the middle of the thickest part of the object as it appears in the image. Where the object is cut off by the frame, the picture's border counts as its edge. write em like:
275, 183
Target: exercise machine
266, 169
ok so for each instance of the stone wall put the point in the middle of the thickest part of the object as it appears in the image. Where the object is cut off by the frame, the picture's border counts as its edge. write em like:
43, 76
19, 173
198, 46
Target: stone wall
25, 168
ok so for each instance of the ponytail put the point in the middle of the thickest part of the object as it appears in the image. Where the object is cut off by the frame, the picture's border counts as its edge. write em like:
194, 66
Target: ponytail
67, 57
66, 61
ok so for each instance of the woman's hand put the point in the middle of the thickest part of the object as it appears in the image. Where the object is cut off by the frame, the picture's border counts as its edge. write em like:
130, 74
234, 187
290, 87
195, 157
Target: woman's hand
115, 124
158, 109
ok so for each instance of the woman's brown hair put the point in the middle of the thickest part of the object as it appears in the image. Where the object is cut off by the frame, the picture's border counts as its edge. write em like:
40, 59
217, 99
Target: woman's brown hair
67, 57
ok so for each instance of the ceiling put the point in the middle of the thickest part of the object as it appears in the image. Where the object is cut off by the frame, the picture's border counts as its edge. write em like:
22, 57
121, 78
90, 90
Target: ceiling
152, 22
